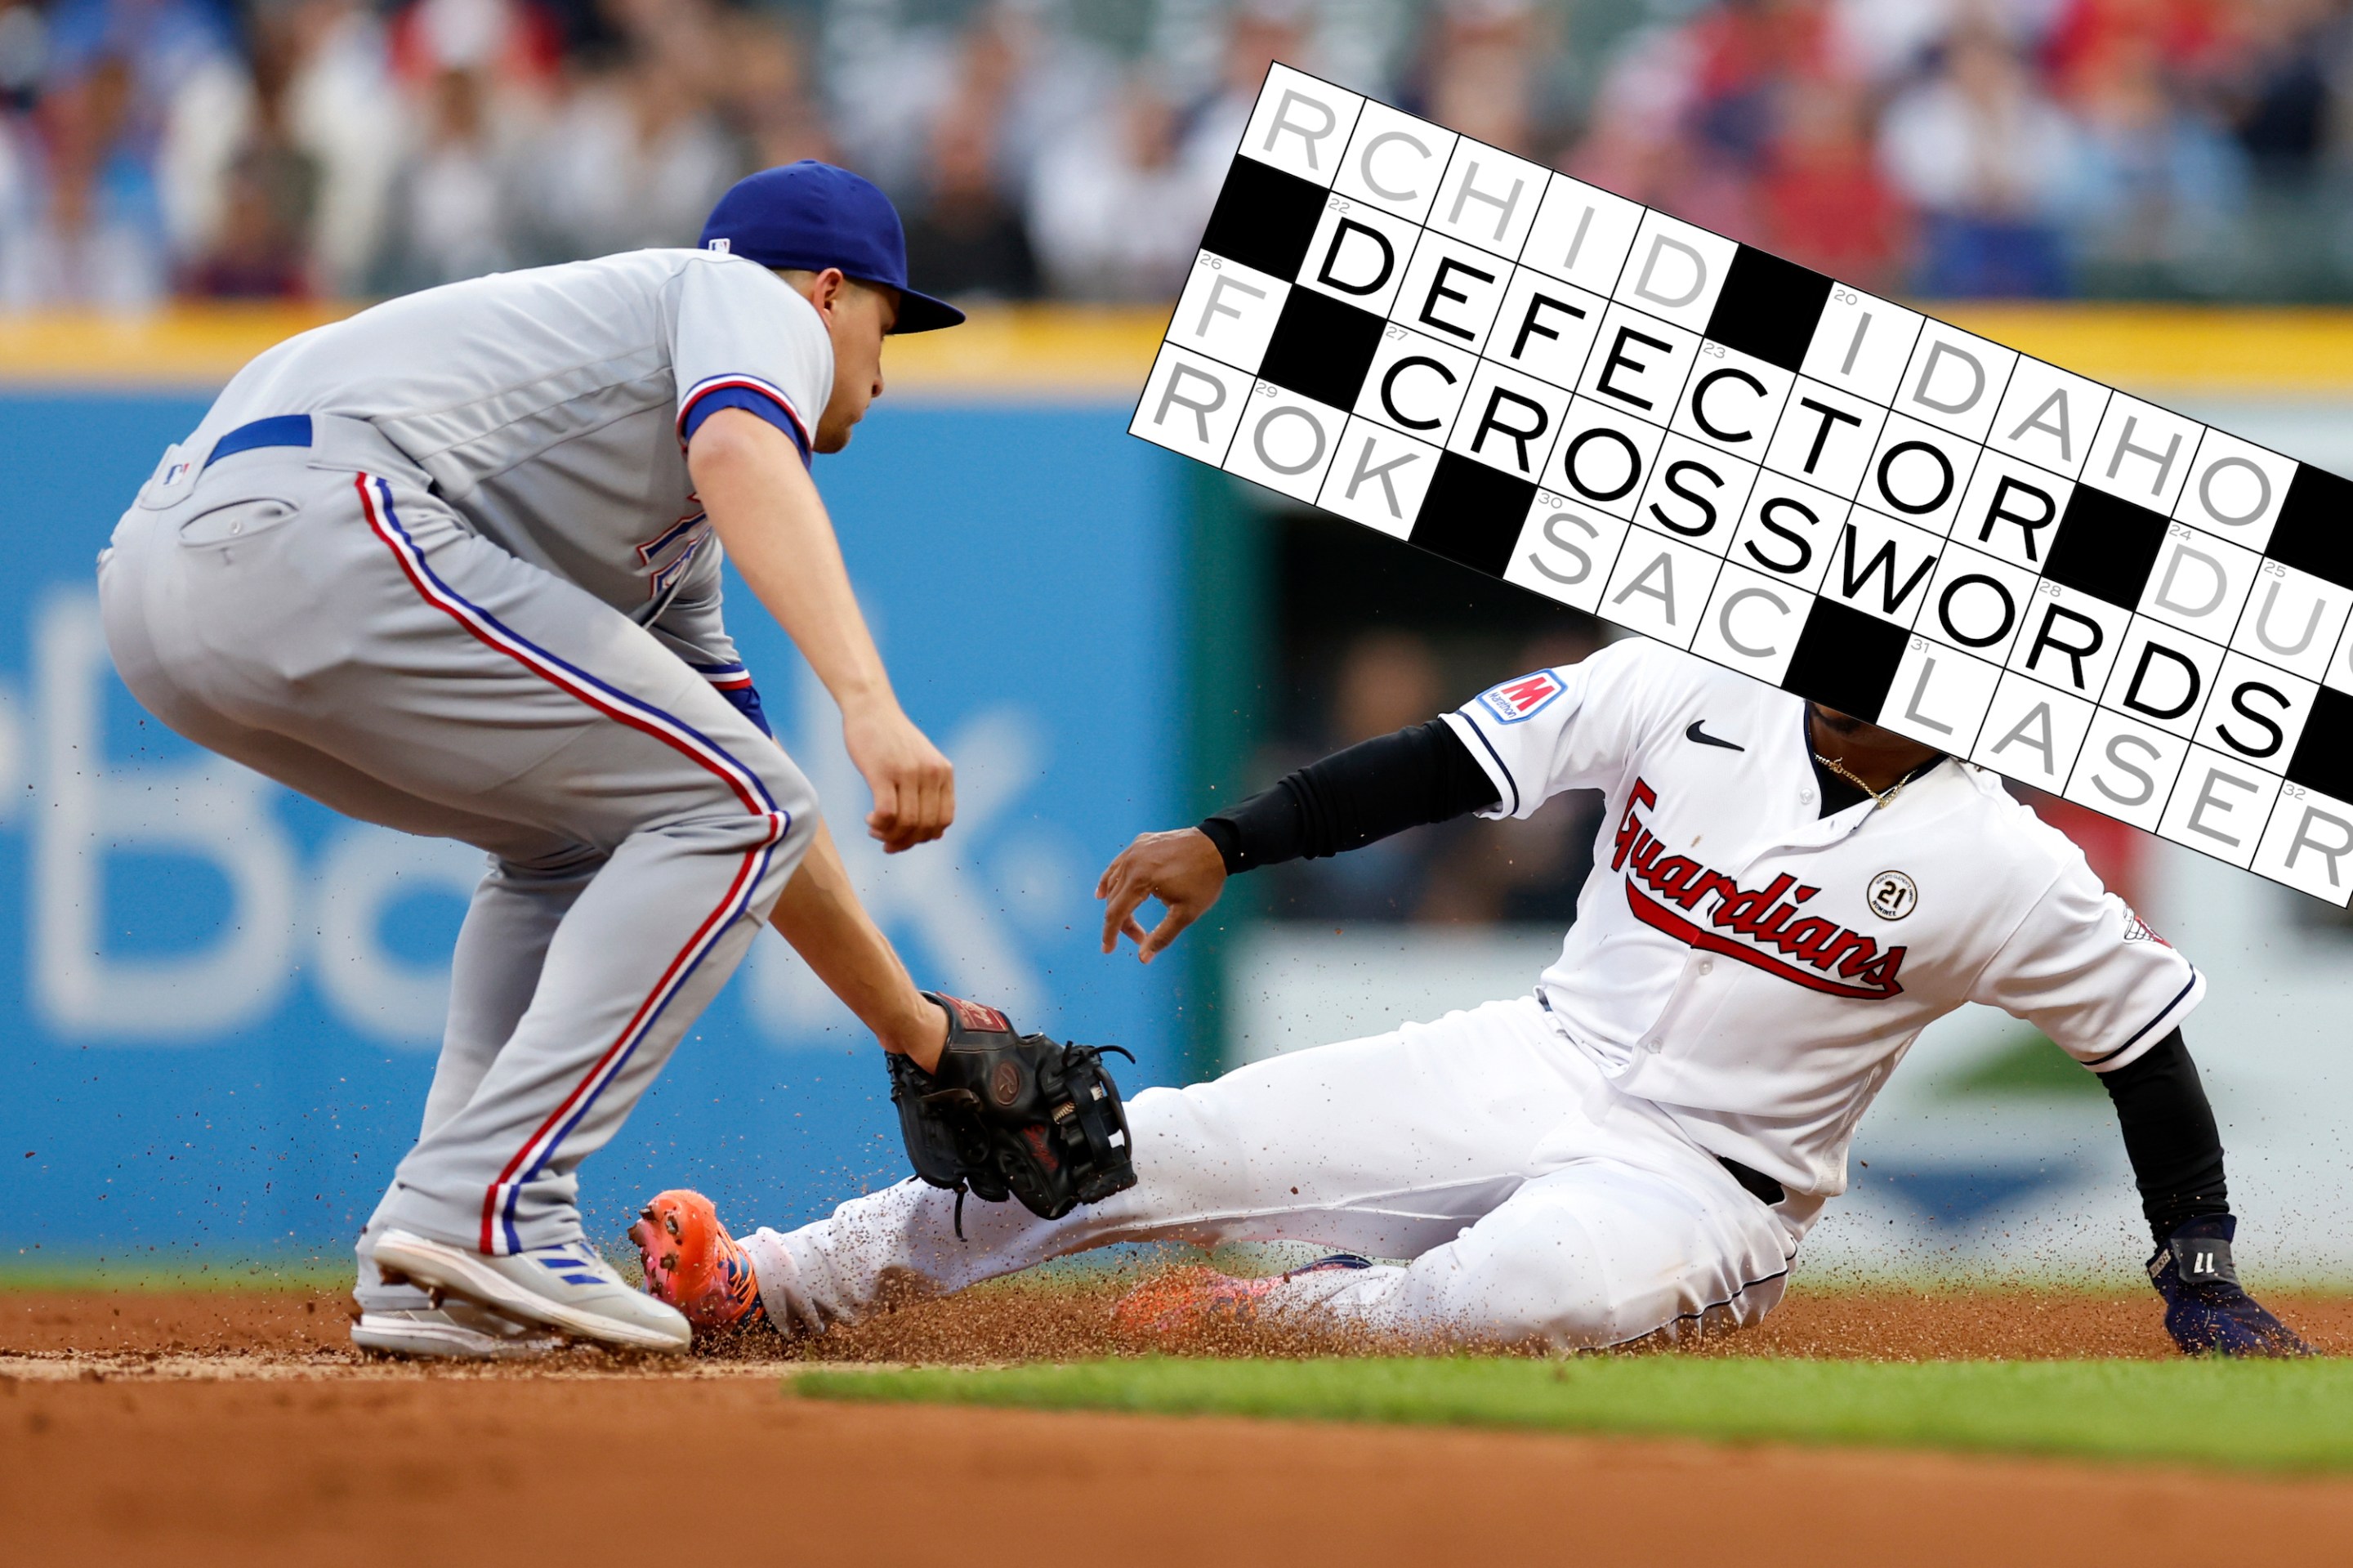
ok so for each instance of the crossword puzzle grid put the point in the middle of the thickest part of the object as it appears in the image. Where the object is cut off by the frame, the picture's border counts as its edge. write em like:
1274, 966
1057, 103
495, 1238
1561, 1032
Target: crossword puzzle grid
1723, 451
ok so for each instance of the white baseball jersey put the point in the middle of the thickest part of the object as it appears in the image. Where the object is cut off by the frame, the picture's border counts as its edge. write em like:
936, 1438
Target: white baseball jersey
1757, 969
550, 408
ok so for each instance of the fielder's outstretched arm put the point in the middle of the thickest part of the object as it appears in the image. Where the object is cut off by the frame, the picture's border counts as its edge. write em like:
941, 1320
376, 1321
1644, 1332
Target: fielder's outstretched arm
818, 913
768, 514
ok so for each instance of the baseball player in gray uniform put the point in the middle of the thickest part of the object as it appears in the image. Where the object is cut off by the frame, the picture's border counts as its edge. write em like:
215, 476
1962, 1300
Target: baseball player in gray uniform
452, 566
1782, 898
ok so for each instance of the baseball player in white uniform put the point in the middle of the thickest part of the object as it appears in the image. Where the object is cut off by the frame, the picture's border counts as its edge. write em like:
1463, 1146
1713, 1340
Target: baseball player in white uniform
1781, 898
453, 566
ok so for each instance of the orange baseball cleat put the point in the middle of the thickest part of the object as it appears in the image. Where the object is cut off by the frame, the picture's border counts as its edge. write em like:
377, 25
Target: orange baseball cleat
692, 1263
1184, 1300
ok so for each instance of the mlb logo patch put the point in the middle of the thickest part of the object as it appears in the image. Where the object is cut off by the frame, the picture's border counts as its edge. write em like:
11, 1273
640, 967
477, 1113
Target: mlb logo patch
174, 477
1522, 698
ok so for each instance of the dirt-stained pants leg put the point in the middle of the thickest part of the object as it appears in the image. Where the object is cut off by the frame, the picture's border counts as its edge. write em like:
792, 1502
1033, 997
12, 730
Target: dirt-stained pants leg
1477, 1145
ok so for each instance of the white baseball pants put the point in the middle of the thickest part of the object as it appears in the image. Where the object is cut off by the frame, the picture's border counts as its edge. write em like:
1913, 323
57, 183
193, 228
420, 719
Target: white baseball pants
1534, 1201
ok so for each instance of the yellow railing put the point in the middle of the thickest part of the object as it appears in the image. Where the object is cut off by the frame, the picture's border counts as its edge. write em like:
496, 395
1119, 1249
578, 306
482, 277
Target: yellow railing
1060, 351
2157, 349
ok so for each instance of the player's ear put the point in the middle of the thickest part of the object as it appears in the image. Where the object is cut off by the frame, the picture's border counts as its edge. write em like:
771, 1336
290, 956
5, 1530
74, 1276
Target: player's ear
826, 290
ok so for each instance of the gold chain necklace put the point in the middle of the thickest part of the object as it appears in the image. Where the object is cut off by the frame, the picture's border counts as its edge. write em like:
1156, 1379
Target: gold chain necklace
1878, 802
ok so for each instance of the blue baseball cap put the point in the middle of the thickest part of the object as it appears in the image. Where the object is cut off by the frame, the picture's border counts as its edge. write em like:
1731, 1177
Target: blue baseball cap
812, 216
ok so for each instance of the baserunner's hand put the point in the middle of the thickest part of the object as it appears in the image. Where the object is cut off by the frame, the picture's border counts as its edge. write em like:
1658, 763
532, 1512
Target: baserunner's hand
1181, 869
914, 784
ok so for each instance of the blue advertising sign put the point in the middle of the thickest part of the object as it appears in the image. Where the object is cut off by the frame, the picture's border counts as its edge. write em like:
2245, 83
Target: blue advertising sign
219, 1002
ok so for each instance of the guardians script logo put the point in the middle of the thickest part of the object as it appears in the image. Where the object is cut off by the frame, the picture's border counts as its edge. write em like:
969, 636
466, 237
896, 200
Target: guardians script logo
1762, 926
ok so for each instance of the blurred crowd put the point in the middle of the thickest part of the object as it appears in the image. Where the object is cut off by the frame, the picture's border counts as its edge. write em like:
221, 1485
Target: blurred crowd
1071, 148
1464, 872
2026, 148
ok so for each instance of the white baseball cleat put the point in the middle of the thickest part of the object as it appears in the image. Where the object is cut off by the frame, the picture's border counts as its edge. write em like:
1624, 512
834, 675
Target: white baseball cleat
568, 1288
457, 1330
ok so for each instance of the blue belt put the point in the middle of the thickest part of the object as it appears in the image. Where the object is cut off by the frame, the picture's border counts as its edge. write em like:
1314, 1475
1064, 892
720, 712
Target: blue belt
278, 430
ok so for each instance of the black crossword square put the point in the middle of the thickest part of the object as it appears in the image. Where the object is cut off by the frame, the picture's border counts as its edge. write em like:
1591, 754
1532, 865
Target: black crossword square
1768, 308
1321, 348
1846, 659
2105, 546
1471, 513
2313, 531
1264, 217
2324, 753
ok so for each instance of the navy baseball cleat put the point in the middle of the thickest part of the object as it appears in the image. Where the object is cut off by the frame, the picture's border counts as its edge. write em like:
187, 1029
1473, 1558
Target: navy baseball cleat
2207, 1311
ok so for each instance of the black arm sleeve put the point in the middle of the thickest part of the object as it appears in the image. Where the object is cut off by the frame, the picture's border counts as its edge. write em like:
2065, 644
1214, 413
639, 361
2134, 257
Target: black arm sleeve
2170, 1136
1421, 774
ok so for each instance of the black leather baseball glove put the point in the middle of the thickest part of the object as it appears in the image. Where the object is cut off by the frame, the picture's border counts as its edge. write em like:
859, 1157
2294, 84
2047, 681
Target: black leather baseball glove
1013, 1115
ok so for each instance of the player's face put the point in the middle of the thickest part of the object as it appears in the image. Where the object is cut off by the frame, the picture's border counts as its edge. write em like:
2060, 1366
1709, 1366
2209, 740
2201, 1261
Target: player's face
1866, 745
1836, 723
858, 317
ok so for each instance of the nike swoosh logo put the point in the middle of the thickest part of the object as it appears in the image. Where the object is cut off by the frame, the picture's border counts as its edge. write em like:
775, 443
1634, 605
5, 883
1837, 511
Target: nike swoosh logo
1700, 735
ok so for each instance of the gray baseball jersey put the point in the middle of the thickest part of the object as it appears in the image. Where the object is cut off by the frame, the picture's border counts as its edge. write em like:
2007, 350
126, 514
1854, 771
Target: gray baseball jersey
552, 410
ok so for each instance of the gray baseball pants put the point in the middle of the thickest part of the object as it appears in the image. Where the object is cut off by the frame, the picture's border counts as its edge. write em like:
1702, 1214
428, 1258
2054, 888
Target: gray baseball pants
318, 615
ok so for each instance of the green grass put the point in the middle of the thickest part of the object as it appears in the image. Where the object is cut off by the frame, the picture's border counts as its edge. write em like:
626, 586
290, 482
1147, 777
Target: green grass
2028, 1067
2253, 1415
88, 1274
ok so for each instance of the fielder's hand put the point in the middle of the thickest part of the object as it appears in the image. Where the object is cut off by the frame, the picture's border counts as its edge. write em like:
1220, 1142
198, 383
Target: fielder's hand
2206, 1310
914, 785
1183, 870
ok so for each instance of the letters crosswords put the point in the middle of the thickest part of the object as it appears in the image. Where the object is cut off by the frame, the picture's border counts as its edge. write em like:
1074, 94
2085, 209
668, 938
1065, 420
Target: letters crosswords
1828, 491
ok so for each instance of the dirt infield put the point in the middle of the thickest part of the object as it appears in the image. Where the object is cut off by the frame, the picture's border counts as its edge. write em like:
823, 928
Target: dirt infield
236, 1428
1015, 1321
654, 1470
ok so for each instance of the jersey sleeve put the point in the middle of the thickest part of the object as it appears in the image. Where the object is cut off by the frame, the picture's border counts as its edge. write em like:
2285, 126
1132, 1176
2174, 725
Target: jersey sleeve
746, 340
2088, 972
1567, 728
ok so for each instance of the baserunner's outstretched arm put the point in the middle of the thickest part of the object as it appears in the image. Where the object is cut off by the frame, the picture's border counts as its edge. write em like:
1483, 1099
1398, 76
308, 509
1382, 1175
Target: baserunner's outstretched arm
1421, 775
